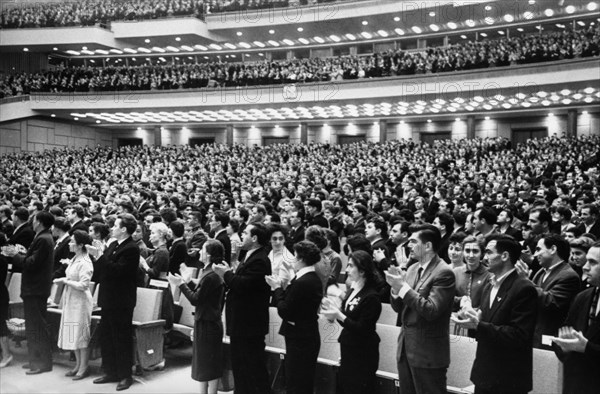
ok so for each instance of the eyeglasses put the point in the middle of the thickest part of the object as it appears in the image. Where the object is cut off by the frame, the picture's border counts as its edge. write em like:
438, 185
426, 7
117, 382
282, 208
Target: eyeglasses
277, 238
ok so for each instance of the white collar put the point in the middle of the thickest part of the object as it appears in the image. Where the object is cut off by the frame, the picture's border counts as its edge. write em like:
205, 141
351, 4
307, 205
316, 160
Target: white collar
499, 280
305, 270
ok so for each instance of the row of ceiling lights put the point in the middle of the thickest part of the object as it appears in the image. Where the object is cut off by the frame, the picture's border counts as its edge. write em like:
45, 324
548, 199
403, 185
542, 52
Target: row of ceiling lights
334, 38
539, 99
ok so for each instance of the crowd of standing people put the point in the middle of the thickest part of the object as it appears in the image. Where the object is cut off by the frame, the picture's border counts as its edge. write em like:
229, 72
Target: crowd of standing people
501, 239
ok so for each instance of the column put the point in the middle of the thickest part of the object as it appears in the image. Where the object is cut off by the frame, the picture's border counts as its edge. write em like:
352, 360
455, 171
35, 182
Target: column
421, 43
470, 127
229, 135
303, 133
572, 123
382, 130
158, 135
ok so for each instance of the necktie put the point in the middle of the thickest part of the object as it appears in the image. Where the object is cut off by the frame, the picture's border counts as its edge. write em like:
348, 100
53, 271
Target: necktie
594, 306
419, 272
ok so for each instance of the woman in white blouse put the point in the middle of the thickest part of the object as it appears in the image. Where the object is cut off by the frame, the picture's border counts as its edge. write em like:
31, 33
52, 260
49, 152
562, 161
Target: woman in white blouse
76, 317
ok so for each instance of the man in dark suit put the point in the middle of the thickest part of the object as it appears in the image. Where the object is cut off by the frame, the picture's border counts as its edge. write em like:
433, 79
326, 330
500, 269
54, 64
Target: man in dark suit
315, 214
117, 298
297, 229
60, 232
578, 342
505, 324
423, 295
76, 215
298, 306
589, 220
504, 222
557, 285
218, 226
178, 250
23, 234
6, 225
37, 268
247, 311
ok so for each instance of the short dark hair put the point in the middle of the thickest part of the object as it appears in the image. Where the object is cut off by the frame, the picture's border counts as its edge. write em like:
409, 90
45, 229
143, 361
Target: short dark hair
62, 223
45, 218
564, 211
128, 221
261, 232
543, 215
177, 228
82, 238
489, 215
379, 224
235, 225
101, 229
447, 221
457, 238
78, 209
216, 250
221, 217
22, 213
506, 243
315, 203
562, 246
308, 252
583, 243
428, 233
315, 234
359, 242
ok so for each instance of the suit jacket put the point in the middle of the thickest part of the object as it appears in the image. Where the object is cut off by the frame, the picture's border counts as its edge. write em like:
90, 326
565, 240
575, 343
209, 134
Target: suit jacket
177, 255
80, 225
37, 266
294, 236
207, 297
504, 358
118, 288
425, 311
581, 369
247, 306
362, 313
22, 236
318, 220
299, 305
555, 295
224, 239
595, 230
61, 251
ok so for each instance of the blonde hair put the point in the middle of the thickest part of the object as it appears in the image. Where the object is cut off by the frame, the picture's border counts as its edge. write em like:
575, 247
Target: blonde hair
162, 230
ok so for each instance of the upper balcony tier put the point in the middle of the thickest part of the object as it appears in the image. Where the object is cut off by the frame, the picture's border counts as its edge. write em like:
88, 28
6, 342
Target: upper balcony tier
321, 25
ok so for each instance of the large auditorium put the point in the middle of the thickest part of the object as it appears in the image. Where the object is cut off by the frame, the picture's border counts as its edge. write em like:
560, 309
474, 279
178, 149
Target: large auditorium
300, 196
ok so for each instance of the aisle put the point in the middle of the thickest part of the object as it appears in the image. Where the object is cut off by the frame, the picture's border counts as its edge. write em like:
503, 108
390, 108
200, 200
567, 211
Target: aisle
175, 378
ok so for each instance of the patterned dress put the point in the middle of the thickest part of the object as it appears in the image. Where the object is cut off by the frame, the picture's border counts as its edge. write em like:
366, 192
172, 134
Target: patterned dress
77, 305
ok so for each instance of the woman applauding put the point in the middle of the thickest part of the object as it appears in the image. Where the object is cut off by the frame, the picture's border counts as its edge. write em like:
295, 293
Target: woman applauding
359, 343
207, 297
76, 317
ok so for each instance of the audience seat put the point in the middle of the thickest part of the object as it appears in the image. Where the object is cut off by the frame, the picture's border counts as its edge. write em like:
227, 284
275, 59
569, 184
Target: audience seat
15, 305
185, 326
388, 315
148, 328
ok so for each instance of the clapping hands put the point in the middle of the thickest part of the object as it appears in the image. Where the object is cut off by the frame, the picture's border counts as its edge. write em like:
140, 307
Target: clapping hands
274, 281
570, 340
395, 277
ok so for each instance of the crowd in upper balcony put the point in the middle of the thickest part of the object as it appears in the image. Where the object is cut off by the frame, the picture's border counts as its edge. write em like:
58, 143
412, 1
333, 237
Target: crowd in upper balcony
469, 55
91, 12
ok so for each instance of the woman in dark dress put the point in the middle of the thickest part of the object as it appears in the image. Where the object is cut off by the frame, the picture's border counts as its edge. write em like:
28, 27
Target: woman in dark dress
359, 342
207, 297
6, 355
